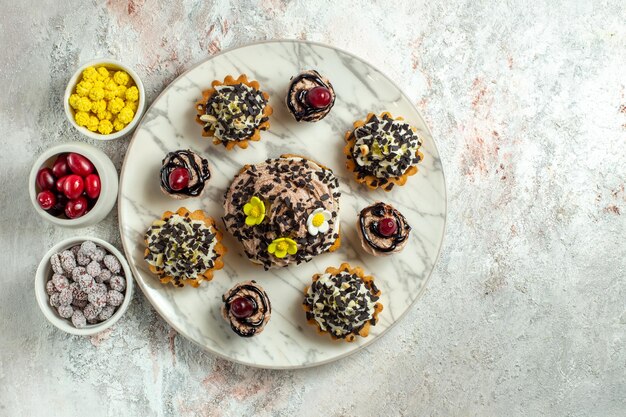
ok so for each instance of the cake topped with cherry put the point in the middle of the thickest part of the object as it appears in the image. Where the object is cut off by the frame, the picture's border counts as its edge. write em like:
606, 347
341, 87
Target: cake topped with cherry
310, 96
183, 174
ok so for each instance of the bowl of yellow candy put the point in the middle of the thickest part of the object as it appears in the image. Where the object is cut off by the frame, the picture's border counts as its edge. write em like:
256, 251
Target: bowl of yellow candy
104, 99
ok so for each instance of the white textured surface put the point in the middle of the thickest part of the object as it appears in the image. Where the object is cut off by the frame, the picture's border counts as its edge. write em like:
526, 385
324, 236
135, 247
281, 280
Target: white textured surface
525, 314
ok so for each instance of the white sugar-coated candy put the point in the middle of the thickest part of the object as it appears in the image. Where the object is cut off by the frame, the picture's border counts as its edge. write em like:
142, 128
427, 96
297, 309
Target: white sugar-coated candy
117, 283
98, 254
106, 313
78, 319
78, 271
88, 247
54, 300
86, 282
98, 299
94, 269
50, 289
82, 258
91, 312
115, 298
101, 288
66, 297
104, 276
68, 261
80, 303
55, 262
60, 282
65, 311
112, 264
75, 250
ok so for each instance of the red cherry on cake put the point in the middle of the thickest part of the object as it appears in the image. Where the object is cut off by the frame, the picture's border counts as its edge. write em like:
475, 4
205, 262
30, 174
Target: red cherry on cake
45, 179
78, 164
73, 186
60, 168
319, 97
242, 307
179, 178
387, 226
46, 199
92, 186
76, 207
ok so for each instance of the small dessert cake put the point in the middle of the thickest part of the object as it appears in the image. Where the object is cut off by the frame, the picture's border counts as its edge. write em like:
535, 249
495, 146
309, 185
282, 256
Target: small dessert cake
247, 308
382, 151
184, 248
234, 112
383, 229
183, 174
284, 210
342, 302
310, 96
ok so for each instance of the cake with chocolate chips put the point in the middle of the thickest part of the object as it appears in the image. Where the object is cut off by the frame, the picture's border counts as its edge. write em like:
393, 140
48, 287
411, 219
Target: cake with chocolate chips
383, 230
234, 112
247, 308
310, 96
342, 302
284, 210
382, 151
184, 248
183, 174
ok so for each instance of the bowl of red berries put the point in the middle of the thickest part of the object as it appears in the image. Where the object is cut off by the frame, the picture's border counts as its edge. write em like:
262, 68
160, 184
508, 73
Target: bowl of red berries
73, 185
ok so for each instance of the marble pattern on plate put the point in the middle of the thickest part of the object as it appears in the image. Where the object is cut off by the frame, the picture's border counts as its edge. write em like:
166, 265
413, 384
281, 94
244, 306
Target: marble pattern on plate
288, 340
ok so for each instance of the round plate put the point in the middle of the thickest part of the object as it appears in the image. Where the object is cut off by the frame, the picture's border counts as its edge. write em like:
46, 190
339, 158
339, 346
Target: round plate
288, 341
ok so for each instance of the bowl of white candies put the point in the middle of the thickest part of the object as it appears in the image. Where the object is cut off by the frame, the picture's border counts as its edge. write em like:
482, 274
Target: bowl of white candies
83, 285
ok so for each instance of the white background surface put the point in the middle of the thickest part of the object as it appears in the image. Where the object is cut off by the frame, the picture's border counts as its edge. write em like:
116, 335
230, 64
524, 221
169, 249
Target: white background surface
525, 313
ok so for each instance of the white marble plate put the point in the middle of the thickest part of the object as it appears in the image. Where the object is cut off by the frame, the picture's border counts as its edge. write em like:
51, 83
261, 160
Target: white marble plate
288, 341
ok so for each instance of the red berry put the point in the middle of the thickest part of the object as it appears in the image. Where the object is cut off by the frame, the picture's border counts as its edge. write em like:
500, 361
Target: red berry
60, 168
179, 178
60, 182
76, 208
46, 199
319, 97
59, 207
45, 179
78, 164
387, 226
242, 307
73, 186
92, 186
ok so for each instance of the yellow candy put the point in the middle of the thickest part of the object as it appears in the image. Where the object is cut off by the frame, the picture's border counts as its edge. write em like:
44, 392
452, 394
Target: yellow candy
109, 95
103, 72
126, 115
132, 94
82, 118
105, 127
83, 104
89, 73
116, 105
74, 100
117, 125
83, 88
120, 91
99, 84
133, 105
121, 78
105, 115
96, 93
98, 106
93, 123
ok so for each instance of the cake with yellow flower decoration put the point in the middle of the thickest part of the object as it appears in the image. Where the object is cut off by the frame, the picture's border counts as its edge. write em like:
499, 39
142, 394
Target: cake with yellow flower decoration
284, 210
104, 100
233, 112
184, 248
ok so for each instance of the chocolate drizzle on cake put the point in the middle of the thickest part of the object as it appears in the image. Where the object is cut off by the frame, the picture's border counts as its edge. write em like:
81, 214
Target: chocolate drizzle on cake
369, 218
297, 101
253, 324
198, 172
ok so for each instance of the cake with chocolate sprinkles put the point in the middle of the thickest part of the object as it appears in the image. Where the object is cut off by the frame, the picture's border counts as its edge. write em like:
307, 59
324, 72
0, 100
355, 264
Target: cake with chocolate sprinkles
310, 96
383, 230
382, 151
234, 112
184, 248
183, 174
284, 210
343, 302
247, 308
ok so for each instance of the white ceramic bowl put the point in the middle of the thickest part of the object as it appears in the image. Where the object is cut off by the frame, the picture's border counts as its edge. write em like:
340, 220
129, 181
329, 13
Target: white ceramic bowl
44, 273
109, 64
108, 183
